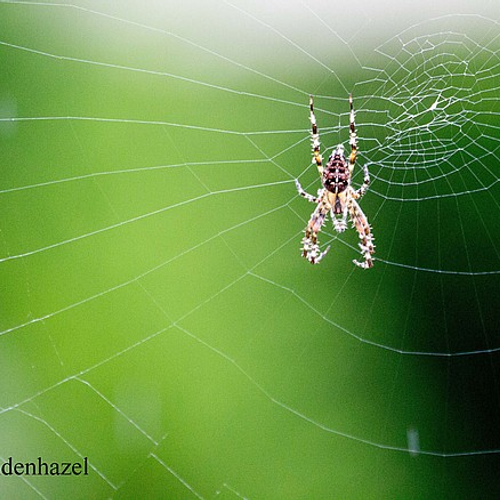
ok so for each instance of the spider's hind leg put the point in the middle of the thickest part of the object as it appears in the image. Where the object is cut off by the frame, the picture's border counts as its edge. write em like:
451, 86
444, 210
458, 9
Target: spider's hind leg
315, 138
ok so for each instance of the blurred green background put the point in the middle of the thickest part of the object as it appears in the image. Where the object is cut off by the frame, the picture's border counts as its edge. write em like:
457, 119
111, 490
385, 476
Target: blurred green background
156, 316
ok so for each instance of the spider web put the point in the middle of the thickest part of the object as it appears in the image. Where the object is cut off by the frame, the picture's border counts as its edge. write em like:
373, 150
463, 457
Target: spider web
156, 315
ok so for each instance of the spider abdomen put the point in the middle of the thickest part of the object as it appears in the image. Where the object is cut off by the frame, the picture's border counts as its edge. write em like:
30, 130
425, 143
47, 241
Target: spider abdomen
336, 174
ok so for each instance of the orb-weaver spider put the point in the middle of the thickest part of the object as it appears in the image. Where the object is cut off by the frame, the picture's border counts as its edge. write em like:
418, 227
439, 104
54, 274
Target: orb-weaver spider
337, 196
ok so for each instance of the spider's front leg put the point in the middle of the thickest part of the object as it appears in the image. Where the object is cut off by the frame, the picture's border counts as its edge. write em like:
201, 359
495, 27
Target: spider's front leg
310, 246
365, 234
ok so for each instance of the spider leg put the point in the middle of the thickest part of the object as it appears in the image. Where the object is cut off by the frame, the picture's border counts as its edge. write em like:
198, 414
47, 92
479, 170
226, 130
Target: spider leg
353, 140
315, 138
307, 196
366, 245
310, 246
366, 184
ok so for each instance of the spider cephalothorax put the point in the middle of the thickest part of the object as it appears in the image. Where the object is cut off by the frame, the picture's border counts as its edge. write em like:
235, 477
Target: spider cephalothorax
337, 197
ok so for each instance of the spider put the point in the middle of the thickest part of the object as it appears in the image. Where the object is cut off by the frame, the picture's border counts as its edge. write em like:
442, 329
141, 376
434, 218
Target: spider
337, 196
